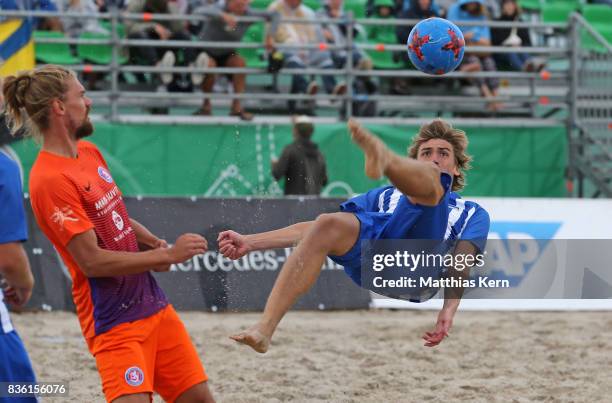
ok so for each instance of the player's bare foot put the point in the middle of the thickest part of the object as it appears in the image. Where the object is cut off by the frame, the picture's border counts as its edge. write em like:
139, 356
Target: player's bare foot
253, 338
375, 151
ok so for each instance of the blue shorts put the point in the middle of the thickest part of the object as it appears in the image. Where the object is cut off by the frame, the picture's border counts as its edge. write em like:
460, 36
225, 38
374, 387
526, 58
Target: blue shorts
408, 221
15, 365
371, 225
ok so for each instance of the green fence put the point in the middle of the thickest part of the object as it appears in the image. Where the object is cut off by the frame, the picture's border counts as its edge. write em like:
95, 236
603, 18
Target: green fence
233, 161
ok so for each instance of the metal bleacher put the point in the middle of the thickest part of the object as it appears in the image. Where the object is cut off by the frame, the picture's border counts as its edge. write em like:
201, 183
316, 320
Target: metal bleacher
540, 97
575, 90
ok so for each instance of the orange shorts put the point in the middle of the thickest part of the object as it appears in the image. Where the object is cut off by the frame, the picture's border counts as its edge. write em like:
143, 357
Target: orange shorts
151, 354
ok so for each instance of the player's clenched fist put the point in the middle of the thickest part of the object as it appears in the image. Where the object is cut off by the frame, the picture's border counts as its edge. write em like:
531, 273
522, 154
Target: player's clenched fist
187, 246
233, 245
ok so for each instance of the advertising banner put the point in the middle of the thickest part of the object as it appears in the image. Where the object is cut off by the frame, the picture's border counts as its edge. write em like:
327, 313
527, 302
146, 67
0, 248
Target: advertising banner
210, 281
543, 252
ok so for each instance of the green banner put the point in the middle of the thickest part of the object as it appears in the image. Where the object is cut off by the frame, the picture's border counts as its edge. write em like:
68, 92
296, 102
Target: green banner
225, 161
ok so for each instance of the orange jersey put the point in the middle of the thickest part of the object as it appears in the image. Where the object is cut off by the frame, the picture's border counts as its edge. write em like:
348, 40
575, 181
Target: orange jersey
70, 196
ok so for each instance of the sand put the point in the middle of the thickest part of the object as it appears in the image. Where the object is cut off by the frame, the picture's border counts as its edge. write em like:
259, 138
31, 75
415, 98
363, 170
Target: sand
368, 356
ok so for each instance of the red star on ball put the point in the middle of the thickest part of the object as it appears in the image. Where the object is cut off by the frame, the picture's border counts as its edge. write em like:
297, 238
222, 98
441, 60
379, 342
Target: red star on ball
455, 44
416, 43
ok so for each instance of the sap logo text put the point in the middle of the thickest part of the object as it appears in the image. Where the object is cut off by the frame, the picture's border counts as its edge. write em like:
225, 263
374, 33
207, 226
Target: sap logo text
514, 248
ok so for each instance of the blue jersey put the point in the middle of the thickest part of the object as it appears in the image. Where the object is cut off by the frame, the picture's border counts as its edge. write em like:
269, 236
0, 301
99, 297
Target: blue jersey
385, 213
467, 221
13, 226
15, 365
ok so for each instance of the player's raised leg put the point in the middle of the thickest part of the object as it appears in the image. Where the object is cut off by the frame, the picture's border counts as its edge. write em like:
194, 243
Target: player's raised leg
333, 234
418, 180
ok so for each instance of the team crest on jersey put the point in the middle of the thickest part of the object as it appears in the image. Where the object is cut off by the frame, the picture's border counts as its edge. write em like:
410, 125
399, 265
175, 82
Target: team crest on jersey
118, 220
134, 376
104, 174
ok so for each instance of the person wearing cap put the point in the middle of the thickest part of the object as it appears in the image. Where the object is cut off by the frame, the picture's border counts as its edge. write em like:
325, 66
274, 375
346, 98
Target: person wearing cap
301, 162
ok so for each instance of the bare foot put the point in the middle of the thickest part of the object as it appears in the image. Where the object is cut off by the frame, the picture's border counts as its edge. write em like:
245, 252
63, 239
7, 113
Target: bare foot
254, 338
376, 152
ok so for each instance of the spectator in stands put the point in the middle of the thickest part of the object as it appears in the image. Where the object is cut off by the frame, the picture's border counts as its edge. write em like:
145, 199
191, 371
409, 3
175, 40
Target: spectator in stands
223, 27
513, 37
39, 23
382, 33
301, 162
162, 30
75, 26
493, 8
304, 34
371, 10
443, 6
475, 10
384, 9
386, 34
47, 23
417, 10
336, 34
104, 5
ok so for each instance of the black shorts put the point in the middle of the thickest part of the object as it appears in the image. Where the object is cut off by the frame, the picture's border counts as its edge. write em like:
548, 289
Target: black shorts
221, 60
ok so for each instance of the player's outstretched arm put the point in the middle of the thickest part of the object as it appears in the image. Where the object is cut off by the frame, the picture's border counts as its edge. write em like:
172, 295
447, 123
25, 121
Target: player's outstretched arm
234, 245
97, 262
452, 299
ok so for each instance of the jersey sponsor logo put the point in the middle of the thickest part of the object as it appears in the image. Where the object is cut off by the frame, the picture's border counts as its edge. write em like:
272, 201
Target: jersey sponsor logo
60, 216
118, 220
104, 174
134, 376
107, 198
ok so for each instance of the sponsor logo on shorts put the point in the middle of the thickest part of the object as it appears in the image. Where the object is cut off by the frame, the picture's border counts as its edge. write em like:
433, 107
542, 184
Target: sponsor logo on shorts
134, 376
104, 174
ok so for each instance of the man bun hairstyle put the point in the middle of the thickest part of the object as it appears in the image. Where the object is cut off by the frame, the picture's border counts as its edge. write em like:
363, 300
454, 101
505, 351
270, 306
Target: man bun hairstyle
28, 96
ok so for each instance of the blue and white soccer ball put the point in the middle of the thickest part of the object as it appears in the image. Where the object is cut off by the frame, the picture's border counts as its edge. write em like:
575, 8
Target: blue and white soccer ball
436, 46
